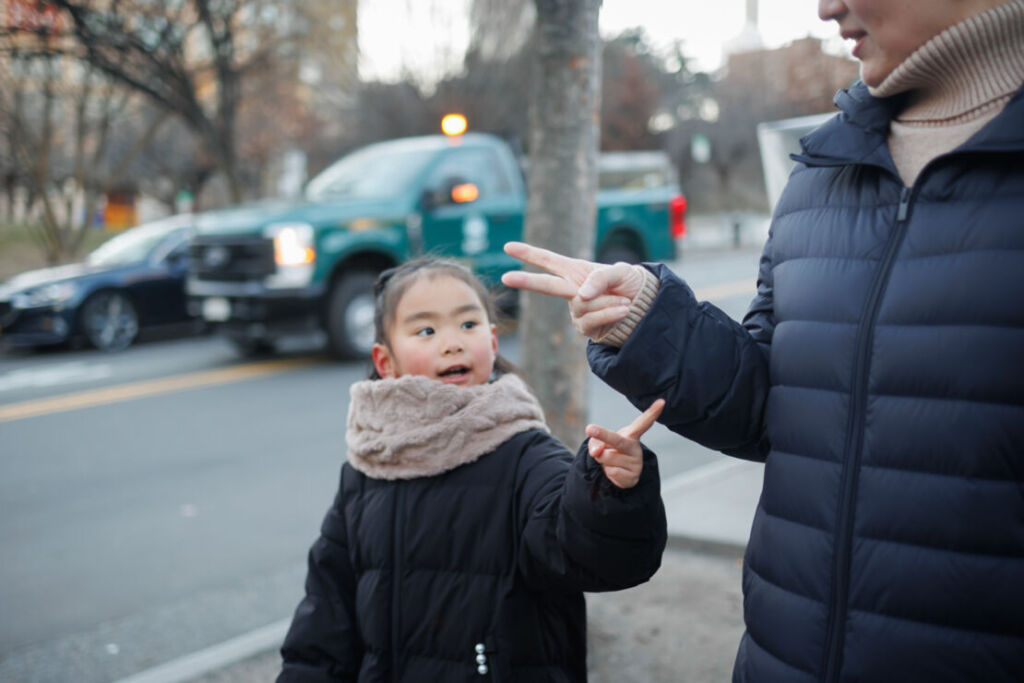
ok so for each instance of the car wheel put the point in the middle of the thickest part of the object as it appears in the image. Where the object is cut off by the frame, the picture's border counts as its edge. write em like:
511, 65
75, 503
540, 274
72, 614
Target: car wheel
613, 253
109, 321
350, 311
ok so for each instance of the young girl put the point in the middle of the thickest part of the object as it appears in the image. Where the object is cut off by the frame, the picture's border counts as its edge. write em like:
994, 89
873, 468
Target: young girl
463, 534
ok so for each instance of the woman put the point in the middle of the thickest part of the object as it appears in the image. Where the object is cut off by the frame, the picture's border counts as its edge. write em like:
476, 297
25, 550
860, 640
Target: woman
879, 372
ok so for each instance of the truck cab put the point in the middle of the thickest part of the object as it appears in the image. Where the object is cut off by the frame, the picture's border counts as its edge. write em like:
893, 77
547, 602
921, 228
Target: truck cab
273, 268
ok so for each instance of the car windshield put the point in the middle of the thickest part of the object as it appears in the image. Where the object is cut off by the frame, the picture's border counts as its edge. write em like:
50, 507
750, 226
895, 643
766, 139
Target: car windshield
133, 245
371, 173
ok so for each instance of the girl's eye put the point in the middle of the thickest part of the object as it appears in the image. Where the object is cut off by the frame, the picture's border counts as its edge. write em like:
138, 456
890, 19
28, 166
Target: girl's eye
424, 331
469, 324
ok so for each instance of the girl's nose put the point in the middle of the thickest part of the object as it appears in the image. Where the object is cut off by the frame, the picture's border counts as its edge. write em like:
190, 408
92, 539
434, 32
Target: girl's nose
831, 9
452, 345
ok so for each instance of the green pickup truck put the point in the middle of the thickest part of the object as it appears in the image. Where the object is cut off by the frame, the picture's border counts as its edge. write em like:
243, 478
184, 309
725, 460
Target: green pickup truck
273, 268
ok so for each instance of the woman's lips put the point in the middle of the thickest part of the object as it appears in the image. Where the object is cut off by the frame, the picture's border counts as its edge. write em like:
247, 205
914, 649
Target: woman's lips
858, 37
857, 47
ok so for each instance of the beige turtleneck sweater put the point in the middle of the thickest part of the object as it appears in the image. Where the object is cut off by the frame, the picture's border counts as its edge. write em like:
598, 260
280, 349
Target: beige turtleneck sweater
958, 81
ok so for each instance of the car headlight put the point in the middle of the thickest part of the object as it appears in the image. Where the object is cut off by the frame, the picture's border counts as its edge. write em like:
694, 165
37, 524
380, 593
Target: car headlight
294, 254
47, 295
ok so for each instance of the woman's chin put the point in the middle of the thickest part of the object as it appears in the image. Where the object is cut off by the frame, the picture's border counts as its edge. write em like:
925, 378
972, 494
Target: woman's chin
873, 73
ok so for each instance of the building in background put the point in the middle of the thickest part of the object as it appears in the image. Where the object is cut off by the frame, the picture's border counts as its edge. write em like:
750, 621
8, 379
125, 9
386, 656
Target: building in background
800, 74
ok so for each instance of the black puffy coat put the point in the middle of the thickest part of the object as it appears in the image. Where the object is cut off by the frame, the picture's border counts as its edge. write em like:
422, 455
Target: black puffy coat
880, 374
408, 576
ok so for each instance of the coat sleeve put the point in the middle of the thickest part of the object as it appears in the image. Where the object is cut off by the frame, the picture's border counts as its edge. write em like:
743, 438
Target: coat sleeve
578, 530
322, 643
712, 371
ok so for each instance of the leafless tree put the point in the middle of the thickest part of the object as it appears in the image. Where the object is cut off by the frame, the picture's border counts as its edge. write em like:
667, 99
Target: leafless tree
58, 116
564, 112
189, 57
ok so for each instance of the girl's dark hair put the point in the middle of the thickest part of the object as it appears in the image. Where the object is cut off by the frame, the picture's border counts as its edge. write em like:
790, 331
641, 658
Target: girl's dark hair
395, 282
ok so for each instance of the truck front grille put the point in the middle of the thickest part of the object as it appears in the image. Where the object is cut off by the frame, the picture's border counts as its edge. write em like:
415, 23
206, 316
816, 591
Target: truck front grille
231, 258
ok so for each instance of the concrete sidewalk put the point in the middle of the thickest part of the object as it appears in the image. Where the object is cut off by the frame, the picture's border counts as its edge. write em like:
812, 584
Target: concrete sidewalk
711, 508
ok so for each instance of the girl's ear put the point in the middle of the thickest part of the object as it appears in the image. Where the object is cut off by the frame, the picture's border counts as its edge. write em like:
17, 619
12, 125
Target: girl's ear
494, 339
383, 361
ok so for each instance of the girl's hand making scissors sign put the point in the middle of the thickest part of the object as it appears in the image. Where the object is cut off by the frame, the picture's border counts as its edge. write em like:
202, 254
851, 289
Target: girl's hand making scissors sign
619, 453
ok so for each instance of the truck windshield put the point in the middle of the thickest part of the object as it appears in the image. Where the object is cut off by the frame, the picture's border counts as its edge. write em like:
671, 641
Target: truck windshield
369, 173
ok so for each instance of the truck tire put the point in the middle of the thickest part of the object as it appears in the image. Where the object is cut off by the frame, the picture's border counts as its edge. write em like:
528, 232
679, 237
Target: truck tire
349, 322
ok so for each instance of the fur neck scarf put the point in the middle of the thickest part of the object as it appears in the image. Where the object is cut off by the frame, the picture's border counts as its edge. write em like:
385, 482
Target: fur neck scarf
415, 426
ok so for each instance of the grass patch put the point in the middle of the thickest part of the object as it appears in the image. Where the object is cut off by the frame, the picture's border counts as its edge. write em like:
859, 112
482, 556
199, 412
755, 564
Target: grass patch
21, 251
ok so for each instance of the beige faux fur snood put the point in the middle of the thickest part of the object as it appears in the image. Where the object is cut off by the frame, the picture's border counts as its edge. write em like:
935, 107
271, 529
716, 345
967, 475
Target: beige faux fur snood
415, 426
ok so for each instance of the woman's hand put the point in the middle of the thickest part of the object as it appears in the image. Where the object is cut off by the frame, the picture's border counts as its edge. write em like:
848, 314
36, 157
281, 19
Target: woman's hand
599, 295
619, 453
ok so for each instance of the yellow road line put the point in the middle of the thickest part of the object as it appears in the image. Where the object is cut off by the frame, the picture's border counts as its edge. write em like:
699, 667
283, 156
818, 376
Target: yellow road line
726, 289
143, 389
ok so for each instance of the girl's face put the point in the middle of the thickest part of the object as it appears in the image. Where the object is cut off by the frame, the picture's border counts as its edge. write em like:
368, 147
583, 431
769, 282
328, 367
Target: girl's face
440, 330
888, 31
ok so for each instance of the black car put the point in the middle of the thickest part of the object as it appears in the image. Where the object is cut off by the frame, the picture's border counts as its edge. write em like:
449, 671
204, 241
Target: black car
132, 281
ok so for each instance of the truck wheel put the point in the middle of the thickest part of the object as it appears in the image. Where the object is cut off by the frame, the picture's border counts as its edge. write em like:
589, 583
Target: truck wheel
350, 316
614, 253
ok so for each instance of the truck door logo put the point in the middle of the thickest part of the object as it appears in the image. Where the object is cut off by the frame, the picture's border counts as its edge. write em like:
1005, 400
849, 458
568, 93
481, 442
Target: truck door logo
474, 234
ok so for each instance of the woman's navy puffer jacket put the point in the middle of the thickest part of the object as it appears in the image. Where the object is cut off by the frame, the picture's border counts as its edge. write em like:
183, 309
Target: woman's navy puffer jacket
880, 374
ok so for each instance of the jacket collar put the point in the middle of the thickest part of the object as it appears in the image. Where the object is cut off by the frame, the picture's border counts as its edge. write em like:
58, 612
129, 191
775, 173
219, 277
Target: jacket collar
1005, 131
858, 134
415, 426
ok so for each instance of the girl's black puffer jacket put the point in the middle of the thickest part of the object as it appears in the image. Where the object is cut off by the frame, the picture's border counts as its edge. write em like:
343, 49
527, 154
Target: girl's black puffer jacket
879, 373
413, 580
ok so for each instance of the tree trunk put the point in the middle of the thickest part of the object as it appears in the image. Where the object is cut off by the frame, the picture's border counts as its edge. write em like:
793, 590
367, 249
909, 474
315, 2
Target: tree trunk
564, 117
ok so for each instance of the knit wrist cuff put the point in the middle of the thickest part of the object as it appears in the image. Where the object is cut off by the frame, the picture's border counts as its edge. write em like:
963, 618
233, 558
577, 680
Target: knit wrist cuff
618, 335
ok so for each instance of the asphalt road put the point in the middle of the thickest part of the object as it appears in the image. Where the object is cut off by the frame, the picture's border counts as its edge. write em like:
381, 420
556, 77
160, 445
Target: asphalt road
161, 500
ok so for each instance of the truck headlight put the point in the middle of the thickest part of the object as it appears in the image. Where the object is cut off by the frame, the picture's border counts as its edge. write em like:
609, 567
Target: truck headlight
47, 295
294, 254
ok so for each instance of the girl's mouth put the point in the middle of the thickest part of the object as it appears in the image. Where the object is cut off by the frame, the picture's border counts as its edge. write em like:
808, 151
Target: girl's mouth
454, 374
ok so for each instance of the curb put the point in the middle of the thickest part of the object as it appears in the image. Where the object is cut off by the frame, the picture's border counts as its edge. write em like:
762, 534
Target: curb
695, 480
215, 657
703, 546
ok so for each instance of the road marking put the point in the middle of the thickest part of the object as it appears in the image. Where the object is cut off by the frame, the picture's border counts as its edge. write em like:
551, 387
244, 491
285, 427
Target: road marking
726, 289
52, 375
146, 388
199, 663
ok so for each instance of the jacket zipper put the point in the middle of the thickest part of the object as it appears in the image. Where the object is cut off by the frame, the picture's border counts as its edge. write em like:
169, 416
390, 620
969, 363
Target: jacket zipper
396, 581
854, 443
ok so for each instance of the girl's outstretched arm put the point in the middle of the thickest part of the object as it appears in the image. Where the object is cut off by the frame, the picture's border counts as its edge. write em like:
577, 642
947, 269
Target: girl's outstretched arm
580, 531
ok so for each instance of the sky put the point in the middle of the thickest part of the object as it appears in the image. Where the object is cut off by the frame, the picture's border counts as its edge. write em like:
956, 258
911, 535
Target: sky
396, 32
